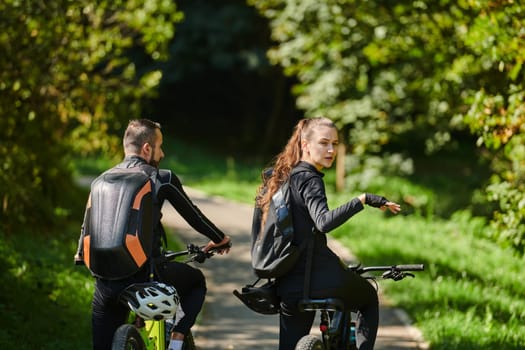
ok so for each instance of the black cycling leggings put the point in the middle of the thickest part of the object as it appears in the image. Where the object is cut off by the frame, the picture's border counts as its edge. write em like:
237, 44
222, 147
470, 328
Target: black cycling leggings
108, 313
357, 294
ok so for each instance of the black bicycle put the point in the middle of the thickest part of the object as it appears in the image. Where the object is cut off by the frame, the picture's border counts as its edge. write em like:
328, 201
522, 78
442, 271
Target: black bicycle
337, 325
153, 305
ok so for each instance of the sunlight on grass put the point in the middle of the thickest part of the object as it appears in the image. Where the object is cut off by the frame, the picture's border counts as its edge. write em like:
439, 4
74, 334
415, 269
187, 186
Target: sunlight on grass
469, 295
239, 191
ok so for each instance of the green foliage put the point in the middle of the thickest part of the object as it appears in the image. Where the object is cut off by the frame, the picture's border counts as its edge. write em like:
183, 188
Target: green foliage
414, 74
43, 291
497, 111
500, 124
375, 67
470, 295
389, 175
217, 174
67, 83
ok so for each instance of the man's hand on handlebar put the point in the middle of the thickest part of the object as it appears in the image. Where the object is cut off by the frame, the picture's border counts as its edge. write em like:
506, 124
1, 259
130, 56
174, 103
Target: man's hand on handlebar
221, 247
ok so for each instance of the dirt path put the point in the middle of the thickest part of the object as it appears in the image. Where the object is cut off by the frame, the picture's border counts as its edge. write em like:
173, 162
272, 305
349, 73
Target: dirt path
225, 323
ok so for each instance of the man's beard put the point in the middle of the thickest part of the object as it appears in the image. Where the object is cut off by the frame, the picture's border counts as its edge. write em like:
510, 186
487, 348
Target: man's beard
153, 162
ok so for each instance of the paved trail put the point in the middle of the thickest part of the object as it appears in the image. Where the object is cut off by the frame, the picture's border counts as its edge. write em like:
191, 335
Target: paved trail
225, 323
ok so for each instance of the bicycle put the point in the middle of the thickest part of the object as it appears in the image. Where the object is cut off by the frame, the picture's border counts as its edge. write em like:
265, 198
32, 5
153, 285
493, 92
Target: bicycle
147, 332
336, 324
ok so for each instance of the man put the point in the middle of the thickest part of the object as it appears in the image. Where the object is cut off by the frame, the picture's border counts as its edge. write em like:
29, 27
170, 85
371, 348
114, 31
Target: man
143, 152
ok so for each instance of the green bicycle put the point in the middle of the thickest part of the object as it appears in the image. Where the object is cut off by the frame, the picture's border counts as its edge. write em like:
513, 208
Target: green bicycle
153, 305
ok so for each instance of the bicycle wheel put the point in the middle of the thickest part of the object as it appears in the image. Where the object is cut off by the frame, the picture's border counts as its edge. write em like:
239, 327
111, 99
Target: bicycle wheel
127, 337
309, 342
189, 342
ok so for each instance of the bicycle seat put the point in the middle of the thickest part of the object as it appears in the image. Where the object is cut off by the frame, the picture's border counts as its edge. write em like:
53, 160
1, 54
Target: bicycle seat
330, 304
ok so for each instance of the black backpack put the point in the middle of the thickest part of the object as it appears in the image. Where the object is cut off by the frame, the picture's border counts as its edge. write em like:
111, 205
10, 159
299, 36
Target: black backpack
273, 252
119, 222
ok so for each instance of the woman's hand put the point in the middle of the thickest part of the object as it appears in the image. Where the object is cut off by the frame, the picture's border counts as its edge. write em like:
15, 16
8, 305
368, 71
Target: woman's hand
379, 202
393, 207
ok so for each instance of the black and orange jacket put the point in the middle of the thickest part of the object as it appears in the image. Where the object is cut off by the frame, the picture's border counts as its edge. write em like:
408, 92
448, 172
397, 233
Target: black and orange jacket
167, 187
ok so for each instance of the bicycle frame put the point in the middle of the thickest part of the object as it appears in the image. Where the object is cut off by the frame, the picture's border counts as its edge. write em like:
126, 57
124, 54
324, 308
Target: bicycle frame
339, 330
152, 332
337, 325
155, 331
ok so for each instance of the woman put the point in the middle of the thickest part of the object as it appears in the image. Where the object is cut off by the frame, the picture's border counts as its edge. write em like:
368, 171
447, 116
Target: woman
311, 148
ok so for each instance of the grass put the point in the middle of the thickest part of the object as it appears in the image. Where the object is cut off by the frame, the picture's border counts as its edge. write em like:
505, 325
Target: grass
471, 295
215, 174
44, 298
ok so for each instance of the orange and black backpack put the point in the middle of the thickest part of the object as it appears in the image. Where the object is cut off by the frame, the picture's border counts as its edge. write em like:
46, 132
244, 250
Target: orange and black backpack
118, 230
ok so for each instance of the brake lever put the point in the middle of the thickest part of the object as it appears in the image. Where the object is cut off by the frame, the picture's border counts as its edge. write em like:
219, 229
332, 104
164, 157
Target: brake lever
393, 275
396, 275
200, 257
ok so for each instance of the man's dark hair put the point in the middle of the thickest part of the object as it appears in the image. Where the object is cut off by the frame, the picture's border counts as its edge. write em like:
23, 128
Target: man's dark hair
139, 132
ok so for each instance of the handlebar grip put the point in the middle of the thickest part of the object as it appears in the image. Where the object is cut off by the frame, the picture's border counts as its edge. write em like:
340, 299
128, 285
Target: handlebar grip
411, 267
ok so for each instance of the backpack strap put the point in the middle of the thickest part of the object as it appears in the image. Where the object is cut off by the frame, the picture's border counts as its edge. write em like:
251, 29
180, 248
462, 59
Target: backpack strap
154, 178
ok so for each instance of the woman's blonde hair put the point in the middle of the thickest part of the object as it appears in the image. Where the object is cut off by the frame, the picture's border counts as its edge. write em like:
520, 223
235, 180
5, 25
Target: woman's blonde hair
286, 160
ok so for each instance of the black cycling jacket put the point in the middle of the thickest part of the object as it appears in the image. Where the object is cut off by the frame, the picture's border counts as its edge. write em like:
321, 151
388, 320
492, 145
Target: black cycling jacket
310, 210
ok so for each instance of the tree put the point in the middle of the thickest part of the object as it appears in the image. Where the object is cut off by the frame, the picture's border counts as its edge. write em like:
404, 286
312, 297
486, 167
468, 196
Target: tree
497, 110
373, 66
67, 81
417, 71
218, 73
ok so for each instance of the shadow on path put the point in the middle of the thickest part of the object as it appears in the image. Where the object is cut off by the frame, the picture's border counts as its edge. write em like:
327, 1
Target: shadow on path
225, 323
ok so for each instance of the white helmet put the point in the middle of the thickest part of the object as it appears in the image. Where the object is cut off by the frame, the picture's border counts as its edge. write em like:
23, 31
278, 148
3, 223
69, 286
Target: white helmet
152, 300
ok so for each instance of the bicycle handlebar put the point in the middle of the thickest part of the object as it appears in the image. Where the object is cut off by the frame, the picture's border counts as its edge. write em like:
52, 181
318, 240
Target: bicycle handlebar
411, 267
404, 267
394, 272
197, 253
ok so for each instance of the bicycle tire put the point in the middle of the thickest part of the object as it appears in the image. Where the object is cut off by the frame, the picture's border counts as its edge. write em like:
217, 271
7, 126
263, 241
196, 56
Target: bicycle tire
127, 337
309, 342
189, 342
